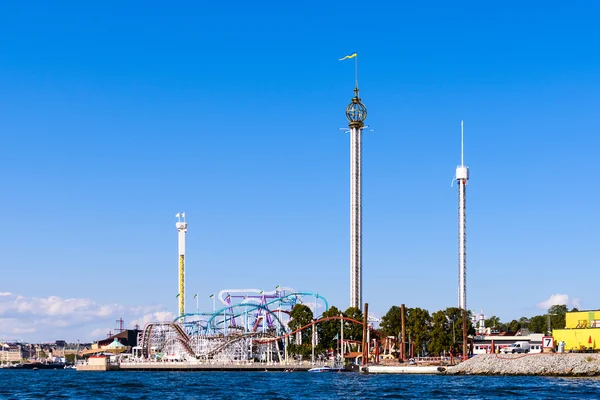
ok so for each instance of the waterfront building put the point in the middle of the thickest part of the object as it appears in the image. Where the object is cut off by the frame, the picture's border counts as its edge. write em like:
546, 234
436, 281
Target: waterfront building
581, 332
488, 343
126, 339
10, 353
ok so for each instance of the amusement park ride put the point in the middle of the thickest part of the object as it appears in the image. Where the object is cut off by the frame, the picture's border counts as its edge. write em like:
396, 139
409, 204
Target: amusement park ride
251, 324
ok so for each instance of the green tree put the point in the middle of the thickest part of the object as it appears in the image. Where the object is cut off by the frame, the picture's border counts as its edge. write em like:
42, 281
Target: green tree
493, 323
524, 321
514, 326
538, 324
352, 330
418, 325
455, 324
558, 309
391, 322
329, 329
300, 316
440, 334
558, 316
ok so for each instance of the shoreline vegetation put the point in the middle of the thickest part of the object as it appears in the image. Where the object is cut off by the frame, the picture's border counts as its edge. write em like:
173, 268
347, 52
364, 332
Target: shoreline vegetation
545, 364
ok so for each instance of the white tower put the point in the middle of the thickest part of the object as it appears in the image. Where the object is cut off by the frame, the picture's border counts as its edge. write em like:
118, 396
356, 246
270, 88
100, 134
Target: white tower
181, 226
462, 176
356, 113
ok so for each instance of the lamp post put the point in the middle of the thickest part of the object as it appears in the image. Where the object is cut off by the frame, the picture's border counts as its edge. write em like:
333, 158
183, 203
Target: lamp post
453, 333
549, 324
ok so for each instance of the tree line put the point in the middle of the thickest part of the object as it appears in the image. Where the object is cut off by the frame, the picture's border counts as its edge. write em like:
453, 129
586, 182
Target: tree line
427, 333
556, 315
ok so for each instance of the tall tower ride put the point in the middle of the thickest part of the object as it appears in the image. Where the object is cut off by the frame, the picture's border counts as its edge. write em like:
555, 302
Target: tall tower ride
181, 226
356, 113
462, 176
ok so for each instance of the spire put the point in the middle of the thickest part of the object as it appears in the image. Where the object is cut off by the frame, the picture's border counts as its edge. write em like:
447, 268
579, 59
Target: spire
462, 143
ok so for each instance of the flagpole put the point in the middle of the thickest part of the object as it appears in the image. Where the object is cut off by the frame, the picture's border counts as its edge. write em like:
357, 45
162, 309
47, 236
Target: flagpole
197, 306
356, 69
213, 303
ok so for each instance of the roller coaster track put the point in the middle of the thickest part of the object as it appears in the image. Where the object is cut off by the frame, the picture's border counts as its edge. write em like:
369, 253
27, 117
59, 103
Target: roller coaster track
231, 339
261, 293
251, 308
175, 334
181, 337
309, 325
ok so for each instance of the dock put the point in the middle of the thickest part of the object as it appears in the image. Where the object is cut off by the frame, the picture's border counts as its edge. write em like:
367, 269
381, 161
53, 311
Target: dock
194, 366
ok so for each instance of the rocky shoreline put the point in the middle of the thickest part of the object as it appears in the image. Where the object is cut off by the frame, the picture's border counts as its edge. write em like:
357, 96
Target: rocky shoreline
530, 364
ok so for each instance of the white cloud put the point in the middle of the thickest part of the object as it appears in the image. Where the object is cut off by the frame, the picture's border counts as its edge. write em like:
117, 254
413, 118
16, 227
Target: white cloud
20, 331
99, 332
5, 294
158, 316
51, 318
55, 306
559, 299
146, 309
13, 328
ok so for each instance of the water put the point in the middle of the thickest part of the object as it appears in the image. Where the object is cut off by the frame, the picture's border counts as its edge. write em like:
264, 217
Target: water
59, 384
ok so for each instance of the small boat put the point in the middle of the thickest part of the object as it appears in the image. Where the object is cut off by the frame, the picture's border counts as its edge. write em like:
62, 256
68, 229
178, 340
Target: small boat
325, 368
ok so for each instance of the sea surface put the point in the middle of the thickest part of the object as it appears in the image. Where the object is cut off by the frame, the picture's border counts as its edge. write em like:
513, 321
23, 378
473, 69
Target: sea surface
70, 384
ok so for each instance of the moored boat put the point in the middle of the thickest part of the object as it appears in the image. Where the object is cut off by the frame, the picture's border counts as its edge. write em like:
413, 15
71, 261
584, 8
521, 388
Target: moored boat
325, 368
40, 365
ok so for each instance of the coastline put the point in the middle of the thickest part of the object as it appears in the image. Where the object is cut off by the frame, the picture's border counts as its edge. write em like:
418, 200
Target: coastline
544, 364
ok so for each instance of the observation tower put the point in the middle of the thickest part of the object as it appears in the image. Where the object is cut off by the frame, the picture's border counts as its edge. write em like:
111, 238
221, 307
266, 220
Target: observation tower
181, 226
356, 112
462, 176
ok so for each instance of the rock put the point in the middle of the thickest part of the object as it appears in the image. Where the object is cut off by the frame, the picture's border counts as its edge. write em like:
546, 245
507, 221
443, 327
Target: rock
530, 364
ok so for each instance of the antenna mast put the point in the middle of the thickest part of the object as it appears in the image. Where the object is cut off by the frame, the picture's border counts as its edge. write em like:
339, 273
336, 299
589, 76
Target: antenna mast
462, 176
462, 143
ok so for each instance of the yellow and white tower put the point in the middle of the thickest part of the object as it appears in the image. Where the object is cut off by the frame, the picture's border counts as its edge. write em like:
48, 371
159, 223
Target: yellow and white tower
181, 226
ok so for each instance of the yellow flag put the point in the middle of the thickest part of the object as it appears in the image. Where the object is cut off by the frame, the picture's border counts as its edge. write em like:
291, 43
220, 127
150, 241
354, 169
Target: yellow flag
350, 56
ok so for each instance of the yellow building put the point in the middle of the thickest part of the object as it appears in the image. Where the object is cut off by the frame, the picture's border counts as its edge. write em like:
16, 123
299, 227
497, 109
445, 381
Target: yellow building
582, 331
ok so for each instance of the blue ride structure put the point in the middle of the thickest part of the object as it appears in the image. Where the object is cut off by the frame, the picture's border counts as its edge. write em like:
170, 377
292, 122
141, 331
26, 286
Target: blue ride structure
237, 331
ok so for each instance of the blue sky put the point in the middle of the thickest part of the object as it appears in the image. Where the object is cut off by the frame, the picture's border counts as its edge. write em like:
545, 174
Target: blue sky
115, 117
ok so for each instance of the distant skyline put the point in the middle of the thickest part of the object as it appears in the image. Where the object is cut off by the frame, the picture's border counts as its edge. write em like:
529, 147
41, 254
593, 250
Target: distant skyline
114, 117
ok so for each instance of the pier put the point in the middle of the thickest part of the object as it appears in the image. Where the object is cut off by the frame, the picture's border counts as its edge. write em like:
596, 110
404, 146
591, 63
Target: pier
195, 366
